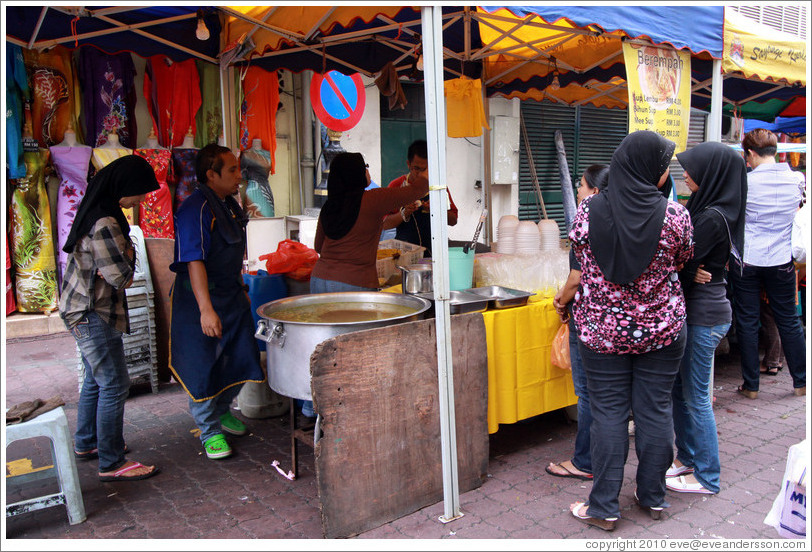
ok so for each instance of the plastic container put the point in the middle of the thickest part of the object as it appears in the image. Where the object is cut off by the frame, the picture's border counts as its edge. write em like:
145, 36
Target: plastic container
460, 269
264, 288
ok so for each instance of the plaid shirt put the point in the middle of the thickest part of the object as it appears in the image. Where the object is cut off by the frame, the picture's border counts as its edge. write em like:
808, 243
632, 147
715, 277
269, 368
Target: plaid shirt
97, 272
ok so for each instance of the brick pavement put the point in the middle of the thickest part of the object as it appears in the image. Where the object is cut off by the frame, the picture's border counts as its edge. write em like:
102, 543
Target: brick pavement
245, 498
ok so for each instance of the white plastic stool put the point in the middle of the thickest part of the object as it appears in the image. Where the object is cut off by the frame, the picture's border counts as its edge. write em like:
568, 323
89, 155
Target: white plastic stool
54, 425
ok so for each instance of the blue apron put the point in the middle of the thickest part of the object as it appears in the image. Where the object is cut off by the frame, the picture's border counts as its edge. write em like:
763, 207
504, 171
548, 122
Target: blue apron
206, 366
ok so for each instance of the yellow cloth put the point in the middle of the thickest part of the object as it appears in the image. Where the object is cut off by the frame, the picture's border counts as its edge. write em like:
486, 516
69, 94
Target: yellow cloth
465, 113
522, 382
103, 157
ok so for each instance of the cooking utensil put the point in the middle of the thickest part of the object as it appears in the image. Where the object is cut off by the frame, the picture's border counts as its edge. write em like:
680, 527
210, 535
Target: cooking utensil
416, 279
482, 218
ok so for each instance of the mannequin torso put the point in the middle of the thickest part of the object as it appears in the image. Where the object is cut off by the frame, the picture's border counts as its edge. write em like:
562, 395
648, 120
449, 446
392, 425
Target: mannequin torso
188, 141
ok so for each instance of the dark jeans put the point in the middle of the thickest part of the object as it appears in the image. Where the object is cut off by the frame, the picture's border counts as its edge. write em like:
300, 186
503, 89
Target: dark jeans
618, 384
581, 457
779, 284
100, 413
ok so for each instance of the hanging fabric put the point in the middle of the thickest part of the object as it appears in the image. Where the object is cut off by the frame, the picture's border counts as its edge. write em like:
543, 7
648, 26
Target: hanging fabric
209, 118
108, 96
72, 164
465, 112
172, 90
155, 212
17, 92
261, 101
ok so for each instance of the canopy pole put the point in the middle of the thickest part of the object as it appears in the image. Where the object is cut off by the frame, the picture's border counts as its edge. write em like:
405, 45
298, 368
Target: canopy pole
438, 198
714, 132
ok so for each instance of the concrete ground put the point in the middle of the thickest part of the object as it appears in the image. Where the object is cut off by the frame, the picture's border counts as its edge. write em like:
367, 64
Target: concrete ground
244, 497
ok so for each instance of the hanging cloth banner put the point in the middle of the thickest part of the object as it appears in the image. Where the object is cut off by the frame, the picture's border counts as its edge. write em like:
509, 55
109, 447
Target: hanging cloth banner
659, 81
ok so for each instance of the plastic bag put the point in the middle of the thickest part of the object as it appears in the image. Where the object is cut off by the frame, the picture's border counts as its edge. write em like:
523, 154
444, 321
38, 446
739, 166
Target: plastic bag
292, 258
560, 351
788, 513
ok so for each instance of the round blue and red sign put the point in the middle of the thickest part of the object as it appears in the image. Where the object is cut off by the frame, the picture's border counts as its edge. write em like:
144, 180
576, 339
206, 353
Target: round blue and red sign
338, 100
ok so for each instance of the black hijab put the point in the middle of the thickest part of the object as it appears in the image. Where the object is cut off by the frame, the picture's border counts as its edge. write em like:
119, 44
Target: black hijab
721, 175
345, 189
130, 175
625, 220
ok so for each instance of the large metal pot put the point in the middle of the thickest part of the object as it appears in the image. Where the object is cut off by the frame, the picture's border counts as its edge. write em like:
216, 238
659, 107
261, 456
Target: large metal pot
290, 344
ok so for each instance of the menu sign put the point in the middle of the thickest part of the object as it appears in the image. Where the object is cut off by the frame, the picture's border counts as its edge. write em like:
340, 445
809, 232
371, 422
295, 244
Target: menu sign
659, 83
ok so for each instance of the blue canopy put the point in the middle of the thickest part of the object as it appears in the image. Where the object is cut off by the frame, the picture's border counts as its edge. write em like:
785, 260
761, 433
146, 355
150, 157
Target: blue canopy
787, 125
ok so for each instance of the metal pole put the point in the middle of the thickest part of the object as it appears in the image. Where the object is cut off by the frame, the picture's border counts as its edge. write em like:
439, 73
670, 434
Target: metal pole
715, 118
438, 198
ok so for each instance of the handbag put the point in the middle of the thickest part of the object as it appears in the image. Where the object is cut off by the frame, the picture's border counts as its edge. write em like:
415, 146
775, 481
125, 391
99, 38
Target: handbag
560, 351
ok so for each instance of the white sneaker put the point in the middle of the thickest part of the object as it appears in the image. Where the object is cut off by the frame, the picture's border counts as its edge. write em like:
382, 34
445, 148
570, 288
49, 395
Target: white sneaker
679, 485
674, 471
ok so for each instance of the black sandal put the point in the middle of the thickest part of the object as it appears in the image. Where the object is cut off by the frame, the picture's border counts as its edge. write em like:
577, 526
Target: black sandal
771, 370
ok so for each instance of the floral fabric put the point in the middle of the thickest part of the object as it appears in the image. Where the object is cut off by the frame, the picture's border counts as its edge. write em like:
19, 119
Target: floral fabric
183, 172
72, 164
646, 314
155, 212
108, 98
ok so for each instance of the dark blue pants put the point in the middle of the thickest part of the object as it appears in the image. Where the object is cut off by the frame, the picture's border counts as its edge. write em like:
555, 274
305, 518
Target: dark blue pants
618, 384
582, 456
780, 284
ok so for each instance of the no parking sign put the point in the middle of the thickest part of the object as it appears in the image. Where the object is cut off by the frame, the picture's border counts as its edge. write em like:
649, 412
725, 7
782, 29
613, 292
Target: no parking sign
338, 100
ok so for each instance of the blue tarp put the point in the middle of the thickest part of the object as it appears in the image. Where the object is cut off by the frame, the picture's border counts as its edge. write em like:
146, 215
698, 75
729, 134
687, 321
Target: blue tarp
698, 28
787, 125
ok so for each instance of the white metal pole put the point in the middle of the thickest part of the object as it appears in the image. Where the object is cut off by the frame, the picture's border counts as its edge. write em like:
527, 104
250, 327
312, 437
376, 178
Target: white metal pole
438, 199
715, 119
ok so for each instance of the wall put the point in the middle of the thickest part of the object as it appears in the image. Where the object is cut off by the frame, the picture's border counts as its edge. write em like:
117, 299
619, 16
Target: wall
365, 137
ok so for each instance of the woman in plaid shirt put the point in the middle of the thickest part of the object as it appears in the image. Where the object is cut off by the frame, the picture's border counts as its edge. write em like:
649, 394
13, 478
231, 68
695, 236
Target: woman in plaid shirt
93, 305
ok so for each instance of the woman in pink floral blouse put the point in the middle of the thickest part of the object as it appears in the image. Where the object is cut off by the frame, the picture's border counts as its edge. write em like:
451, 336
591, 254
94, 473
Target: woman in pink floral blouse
629, 314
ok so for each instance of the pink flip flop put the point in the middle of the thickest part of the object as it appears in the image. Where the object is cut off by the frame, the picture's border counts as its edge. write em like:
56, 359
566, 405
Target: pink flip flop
121, 473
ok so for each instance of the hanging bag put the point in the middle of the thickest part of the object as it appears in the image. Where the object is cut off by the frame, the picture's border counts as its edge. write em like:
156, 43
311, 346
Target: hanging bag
560, 352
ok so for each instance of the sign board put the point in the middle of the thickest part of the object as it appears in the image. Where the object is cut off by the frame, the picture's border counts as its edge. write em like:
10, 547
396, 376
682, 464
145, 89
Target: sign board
338, 100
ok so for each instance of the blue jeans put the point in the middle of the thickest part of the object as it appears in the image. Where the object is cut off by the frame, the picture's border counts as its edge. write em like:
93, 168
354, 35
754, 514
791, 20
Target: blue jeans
694, 422
618, 384
581, 457
100, 416
780, 284
319, 285
207, 413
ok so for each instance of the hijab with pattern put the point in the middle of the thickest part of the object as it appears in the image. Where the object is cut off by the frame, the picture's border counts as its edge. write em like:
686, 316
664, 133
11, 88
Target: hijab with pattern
721, 177
626, 219
130, 175
345, 189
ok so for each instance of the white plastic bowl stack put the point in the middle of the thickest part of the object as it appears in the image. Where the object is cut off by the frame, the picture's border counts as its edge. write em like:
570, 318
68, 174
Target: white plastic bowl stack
506, 234
527, 238
548, 235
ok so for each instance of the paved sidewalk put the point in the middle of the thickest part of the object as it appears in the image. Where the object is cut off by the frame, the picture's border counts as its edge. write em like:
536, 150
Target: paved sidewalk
244, 497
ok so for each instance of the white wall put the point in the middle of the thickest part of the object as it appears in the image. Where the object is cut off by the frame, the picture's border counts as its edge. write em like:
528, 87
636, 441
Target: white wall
365, 137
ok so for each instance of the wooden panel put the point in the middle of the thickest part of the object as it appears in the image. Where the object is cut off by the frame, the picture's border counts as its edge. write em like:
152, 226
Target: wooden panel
380, 455
161, 253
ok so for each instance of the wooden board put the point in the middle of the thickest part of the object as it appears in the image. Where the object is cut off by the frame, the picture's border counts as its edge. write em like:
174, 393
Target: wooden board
161, 253
379, 458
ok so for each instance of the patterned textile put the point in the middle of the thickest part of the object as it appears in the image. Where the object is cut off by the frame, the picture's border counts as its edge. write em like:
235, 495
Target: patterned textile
55, 94
209, 119
172, 90
72, 164
258, 110
108, 96
256, 165
644, 315
11, 304
16, 92
31, 236
98, 251
155, 212
183, 174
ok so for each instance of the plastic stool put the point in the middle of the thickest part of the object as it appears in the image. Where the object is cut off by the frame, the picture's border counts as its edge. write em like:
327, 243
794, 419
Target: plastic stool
54, 425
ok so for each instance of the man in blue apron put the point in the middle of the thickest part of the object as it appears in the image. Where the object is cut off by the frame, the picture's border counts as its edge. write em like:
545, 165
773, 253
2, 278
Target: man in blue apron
212, 346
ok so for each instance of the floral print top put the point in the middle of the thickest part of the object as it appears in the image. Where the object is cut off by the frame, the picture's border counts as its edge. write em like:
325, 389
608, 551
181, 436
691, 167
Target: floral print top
641, 316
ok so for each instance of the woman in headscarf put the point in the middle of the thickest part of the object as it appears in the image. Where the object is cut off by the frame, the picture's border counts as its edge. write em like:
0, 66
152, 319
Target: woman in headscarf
212, 347
629, 314
717, 178
350, 225
93, 305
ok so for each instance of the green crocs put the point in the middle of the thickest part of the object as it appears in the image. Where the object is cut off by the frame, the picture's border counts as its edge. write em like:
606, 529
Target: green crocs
232, 425
217, 447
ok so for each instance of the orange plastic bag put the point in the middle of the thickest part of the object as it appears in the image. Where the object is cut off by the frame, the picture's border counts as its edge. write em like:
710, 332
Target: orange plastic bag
292, 258
560, 351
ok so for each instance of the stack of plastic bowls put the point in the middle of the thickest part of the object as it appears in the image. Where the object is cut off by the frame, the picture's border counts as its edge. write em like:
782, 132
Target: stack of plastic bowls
548, 235
506, 234
527, 238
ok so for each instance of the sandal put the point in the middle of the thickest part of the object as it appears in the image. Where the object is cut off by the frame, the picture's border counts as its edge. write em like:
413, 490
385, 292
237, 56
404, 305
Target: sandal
607, 524
567, 472
742, 390
654, 511
121, 473
770, 370
93, 454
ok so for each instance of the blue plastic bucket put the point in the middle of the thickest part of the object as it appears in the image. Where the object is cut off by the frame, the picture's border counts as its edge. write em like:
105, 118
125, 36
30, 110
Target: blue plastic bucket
263, 288
460, 268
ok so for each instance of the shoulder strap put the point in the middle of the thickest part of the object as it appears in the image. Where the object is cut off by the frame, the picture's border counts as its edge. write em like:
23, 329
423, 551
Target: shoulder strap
734, 252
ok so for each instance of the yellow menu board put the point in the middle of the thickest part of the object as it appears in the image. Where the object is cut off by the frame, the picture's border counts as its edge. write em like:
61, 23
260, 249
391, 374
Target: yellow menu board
659, 82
